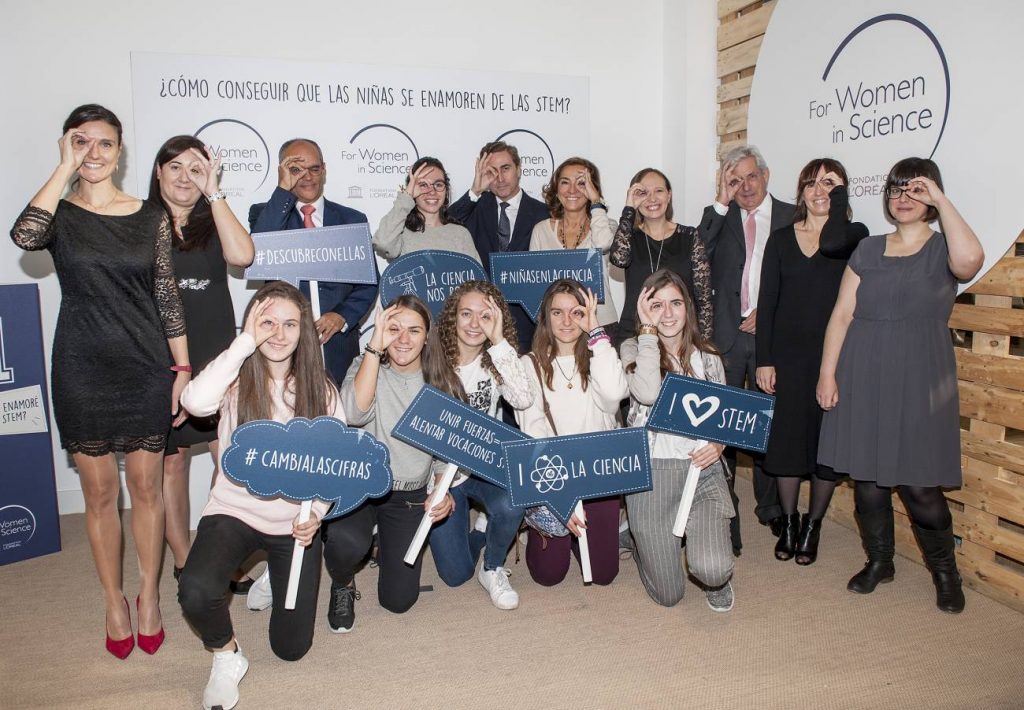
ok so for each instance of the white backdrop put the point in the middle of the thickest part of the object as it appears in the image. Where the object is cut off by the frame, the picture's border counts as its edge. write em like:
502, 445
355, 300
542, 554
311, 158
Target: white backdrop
877, 81
650, 67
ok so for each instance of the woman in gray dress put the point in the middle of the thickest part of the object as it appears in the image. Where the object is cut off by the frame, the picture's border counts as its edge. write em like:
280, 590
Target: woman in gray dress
888, 377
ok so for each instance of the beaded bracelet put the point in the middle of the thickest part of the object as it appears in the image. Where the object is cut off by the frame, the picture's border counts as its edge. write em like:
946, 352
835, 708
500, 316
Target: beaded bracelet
219, 195
374, 351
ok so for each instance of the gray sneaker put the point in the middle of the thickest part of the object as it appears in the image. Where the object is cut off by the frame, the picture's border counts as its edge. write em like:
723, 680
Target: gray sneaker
721, 599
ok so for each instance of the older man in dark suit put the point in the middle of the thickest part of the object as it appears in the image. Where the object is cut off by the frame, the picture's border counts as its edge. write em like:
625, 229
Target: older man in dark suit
735, 230
298, 202
500, 215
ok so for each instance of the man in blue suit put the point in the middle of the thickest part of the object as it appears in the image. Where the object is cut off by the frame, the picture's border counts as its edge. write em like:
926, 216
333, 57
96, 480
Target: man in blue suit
298, 202
500, 216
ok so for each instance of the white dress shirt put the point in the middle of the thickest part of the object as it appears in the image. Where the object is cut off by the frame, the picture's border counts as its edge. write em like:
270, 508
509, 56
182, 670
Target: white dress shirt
763, 226
512, 210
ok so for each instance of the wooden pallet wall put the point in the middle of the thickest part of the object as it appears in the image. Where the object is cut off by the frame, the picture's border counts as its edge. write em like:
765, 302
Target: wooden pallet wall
988, 323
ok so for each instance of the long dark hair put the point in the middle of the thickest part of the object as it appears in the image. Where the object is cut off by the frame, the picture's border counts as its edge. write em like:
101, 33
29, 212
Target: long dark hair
443, 342
808, 175
415, 222
199, 228
691, 340
545, 346
307, 382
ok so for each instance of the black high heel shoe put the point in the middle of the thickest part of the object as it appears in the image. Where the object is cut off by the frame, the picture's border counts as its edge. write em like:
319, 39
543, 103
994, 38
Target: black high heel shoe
786, 546
807, 546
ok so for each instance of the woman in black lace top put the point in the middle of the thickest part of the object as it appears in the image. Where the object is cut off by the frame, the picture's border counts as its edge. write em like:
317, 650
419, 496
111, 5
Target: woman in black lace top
119, 332
647, 240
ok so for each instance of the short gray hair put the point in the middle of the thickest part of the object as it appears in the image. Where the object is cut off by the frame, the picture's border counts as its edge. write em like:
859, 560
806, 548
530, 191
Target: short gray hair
742, 152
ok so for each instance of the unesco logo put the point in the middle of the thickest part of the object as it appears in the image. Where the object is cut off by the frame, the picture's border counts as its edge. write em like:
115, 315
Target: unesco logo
244, 155
17, 526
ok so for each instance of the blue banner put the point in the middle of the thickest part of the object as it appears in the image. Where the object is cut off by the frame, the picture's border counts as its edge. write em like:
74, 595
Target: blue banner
561, 470
430, 274
343, 253
305, 459
457, 433
29, 522
523, 276
707, 410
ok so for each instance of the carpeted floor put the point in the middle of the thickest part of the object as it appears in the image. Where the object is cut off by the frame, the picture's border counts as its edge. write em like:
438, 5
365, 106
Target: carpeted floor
795, 638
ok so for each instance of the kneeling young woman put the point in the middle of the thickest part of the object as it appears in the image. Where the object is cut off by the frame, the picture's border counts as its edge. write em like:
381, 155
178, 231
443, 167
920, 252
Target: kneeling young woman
669, 340
578, 384
273, 370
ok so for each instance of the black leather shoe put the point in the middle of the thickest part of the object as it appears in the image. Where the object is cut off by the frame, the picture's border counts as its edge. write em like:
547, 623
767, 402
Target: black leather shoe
786, 545
776, 525
875, 572
807, 543
938, 547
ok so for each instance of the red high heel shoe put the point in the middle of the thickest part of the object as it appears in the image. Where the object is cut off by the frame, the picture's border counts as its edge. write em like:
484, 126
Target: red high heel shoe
149, 643
122, 647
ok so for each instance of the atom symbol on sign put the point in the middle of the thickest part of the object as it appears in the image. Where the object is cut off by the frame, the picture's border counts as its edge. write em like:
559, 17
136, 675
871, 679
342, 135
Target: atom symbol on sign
549, 474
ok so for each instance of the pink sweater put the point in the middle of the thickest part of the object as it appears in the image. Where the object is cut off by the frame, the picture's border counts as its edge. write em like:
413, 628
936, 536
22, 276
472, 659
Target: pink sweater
214, 389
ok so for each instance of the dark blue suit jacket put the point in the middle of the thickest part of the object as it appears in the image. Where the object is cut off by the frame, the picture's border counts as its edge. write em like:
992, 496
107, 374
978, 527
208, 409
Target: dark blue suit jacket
481, 219
350, 301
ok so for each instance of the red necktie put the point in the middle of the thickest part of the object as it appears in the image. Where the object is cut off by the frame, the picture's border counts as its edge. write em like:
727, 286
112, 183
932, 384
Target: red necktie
750, 232
307, 216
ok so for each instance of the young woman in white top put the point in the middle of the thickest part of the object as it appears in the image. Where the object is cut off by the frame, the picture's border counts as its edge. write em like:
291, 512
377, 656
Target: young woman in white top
578, 383
273, 370
579, 220
669, 340
472, 357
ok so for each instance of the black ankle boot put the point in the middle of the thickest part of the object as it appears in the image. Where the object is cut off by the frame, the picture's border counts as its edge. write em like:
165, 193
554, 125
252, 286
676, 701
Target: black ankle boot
876, 532
938, 546
807, 543
786, 545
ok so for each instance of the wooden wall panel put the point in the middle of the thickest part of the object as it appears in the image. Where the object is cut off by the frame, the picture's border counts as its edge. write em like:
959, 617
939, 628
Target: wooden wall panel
988, 511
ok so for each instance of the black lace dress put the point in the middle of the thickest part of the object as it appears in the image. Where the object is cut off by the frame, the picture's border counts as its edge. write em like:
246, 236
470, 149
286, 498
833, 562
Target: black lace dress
640, 256
111, 381
202, 278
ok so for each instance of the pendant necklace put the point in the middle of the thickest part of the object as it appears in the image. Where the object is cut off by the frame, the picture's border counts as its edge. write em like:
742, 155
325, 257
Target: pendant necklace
650, 256
95, 208
568, 380
579, 234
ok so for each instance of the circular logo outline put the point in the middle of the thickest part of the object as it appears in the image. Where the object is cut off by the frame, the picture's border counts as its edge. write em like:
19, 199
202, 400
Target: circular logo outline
241, 123
30, 514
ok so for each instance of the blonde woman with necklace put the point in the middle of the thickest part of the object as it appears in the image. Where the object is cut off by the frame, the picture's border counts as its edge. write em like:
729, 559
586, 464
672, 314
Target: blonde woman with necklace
647, 240
578, 383
579, 220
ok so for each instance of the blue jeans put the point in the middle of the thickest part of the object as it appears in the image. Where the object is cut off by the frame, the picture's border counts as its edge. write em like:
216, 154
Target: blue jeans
455, 549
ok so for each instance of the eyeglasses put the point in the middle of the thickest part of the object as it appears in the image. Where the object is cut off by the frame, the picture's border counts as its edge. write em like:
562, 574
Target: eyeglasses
313, 170
912, 191
825, 184
436, 186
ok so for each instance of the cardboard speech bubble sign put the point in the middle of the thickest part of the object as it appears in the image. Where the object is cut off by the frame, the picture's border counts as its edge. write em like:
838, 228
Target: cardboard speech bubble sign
431, 274
305, 459
712, 412
561, 471
523, 276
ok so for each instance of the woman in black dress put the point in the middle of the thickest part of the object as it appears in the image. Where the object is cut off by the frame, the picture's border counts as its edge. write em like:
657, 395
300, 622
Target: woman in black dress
120, 357
206, 238
803, 265
647, 239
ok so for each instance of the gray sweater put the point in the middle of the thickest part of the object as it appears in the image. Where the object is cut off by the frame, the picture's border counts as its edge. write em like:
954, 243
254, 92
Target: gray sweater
392, 239
395, 393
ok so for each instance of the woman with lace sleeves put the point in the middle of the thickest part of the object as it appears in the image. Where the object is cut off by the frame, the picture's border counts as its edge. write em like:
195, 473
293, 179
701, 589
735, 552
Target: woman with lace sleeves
647, 240
471, 356
120, 357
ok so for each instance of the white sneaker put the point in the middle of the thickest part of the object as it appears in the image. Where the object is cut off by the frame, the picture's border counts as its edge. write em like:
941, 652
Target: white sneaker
260, 596
480, 524
495, 581
222, 688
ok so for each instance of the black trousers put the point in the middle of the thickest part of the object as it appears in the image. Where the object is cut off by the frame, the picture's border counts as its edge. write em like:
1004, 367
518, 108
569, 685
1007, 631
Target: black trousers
222, 543
348, 539
740, 370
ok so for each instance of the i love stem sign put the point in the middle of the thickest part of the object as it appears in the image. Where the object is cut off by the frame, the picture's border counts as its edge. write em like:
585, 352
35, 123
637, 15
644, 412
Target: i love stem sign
707, 410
